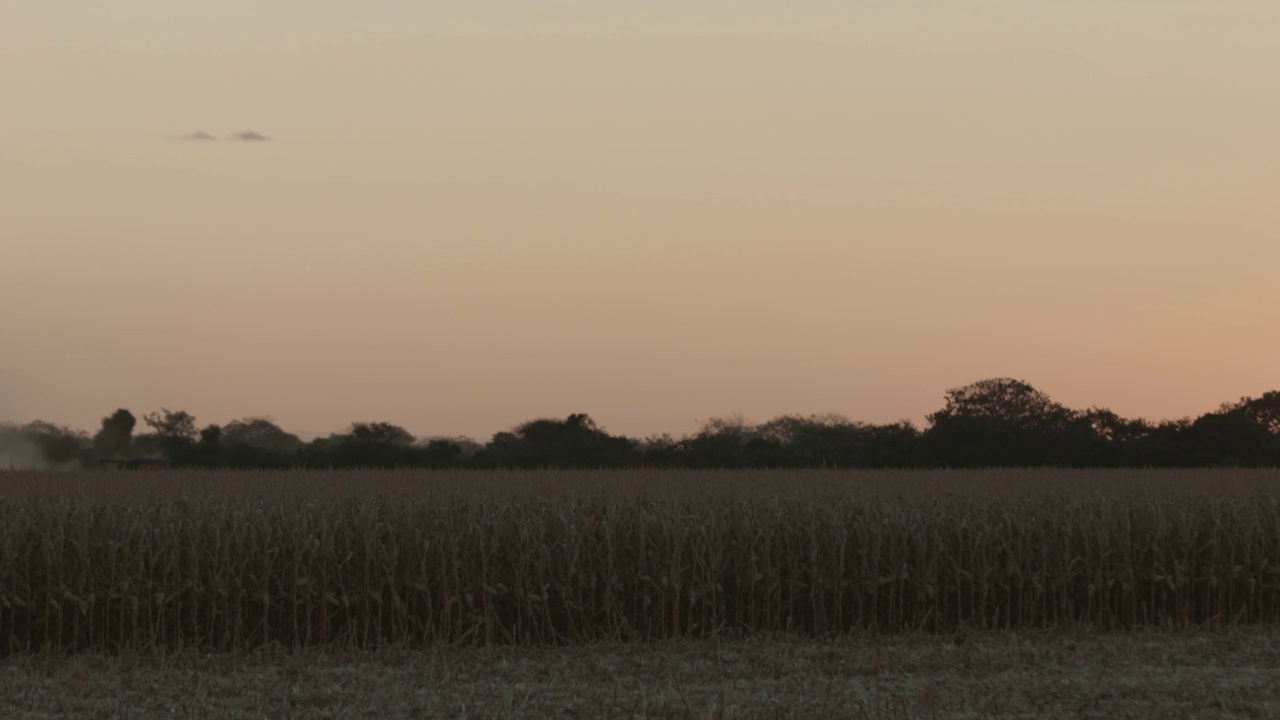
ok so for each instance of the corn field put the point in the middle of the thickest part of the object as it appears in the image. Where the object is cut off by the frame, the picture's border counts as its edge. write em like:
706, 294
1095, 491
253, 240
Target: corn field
113, 561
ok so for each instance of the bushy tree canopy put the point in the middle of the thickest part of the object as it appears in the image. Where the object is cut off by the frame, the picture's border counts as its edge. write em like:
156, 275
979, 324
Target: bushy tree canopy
994, 422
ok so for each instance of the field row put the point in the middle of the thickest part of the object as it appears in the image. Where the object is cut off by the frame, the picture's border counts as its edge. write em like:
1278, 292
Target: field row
221, 570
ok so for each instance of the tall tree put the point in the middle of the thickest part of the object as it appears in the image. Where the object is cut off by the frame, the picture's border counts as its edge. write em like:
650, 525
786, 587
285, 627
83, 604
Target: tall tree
1264, 410
115, 439
1013, 401
576, 441
1000, 421
260, 434
729, 443
376, 444
173, 432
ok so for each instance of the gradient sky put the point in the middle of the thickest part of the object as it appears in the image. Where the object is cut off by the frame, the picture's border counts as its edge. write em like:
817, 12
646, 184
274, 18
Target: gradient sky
474, 213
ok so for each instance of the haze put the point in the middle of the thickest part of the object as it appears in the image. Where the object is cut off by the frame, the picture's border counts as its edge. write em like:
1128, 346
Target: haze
470, 214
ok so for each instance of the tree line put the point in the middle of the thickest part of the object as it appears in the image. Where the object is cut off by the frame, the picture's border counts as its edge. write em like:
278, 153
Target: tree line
991, 423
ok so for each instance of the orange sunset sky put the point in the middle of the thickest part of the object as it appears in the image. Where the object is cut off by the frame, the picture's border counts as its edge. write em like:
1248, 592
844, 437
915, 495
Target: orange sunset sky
470, 214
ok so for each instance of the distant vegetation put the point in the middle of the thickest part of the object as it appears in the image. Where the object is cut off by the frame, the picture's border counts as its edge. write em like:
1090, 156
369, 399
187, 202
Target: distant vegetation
997, 422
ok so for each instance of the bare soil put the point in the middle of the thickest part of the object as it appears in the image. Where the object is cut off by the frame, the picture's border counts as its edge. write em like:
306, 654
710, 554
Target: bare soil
1233, 673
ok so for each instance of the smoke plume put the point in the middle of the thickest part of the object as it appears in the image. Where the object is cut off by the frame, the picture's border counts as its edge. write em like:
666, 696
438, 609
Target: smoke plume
17, 452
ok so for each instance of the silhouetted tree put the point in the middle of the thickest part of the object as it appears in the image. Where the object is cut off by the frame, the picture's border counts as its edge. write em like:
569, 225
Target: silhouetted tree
172, 424
893, 445
381, 433
1166, 445
442, 453
1013, 401
173, 435
254, 442
661, 451
211, 436
995, 422
998, 422
377, 444
1263, 410
814, 441
575, 441
115, 439
208, 449
260, 434
1228, 438
836, 441
726, 443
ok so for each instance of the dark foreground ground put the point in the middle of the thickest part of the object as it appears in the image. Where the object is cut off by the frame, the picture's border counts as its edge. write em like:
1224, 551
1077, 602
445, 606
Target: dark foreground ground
1201, 674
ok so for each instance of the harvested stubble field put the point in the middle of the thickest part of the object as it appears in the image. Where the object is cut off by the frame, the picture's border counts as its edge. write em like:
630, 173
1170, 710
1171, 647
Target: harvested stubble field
1139, 675
312, 564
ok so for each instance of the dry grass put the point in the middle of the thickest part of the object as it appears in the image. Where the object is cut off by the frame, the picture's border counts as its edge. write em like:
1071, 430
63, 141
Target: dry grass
235, 561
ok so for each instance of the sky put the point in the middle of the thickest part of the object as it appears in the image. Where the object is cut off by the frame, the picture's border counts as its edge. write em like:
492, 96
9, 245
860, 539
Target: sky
456, 216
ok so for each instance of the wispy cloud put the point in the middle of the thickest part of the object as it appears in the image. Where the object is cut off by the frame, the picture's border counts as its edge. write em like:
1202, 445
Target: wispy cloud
199, 136
249, 136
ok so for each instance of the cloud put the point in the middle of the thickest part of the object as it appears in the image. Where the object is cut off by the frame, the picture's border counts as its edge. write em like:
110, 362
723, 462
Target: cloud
199, 136
249, 136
